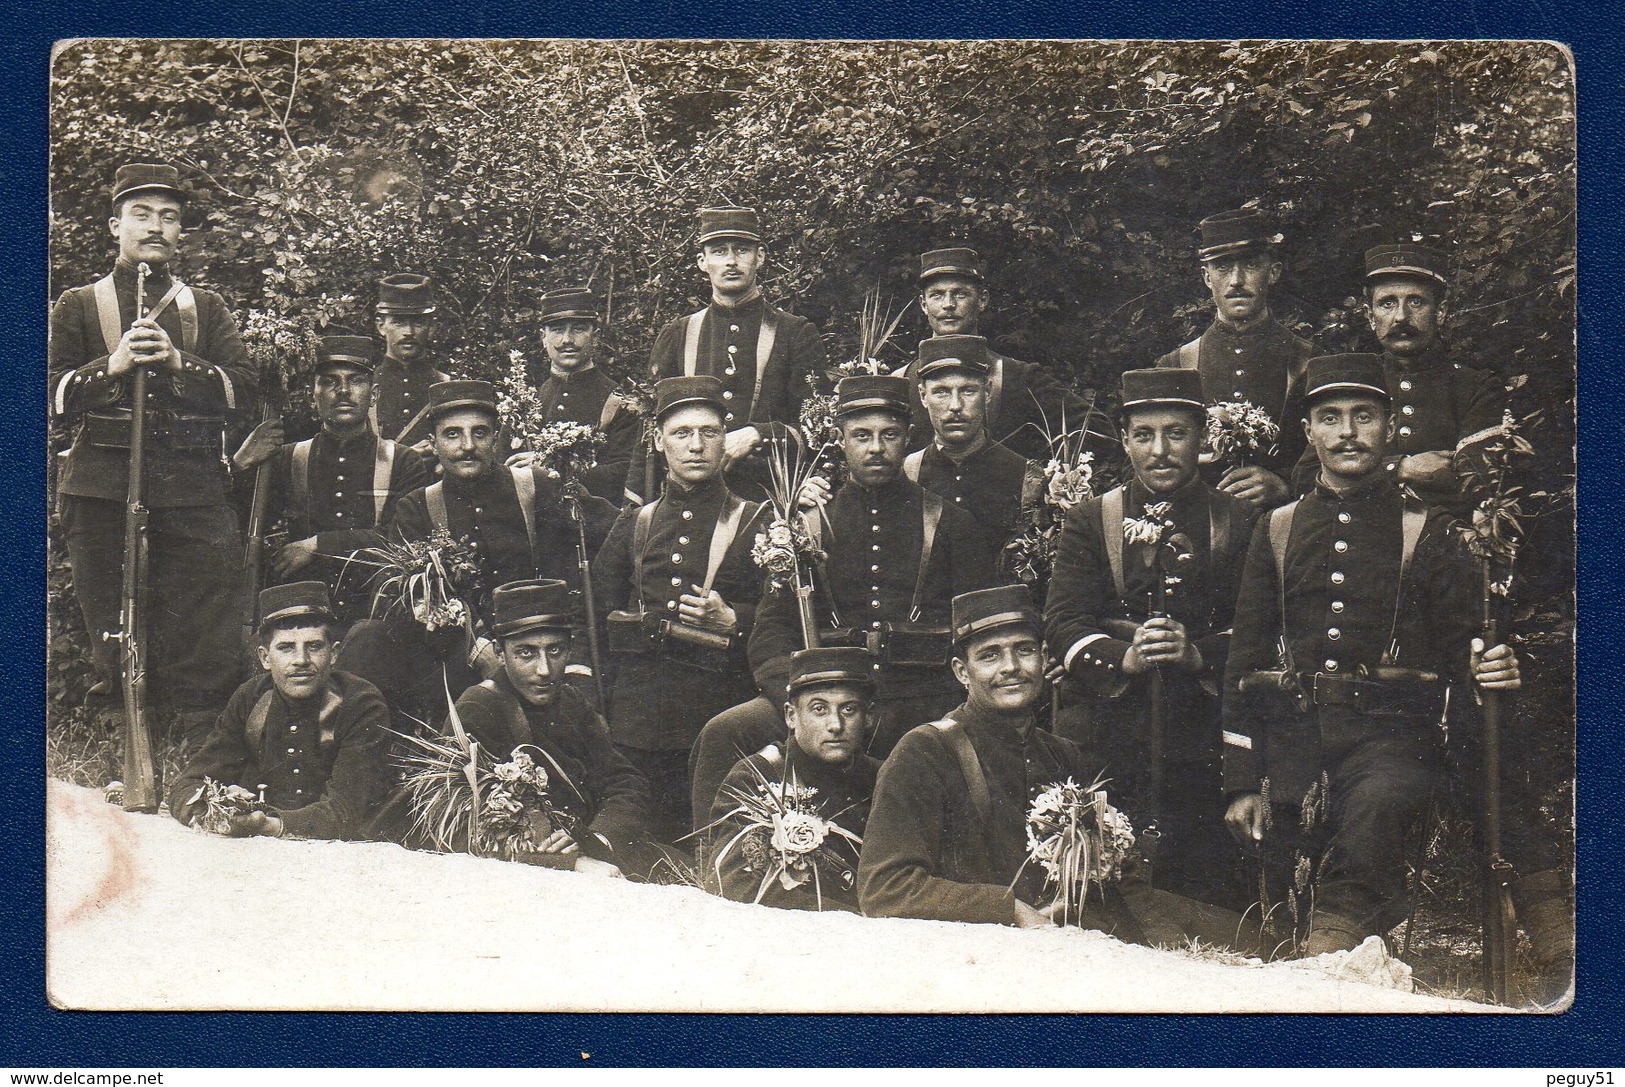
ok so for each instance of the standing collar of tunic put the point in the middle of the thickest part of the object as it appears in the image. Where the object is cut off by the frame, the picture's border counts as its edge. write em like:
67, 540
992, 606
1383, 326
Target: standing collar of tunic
1377, 484
1434, 358
982, 443
894, 493
1260, 325
745, 307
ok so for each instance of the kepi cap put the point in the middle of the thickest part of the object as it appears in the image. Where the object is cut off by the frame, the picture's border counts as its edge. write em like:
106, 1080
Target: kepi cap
405, 293
817, 667
447, 396
957, 261
346, 350
938, 354
881, 392
976, 613
1352, 373
1405, 259
569, 302
1234, 231
521, 606
729, 222
674, 392
139, 176
1167, 385
297, 599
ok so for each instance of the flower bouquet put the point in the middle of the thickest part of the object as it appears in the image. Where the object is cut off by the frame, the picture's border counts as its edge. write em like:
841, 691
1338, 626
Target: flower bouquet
1079, 840
432, 580
1066, 479
562, 449
1238, 432
784, 837
785, 549
222, 803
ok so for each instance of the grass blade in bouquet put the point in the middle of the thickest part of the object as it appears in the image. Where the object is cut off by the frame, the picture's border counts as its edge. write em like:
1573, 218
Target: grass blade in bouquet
785, 550
1079, 840
433, 580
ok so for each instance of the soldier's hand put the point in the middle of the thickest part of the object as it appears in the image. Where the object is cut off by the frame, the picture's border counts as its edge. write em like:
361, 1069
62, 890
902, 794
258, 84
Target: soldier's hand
739, 443
1495, 669
485, 658
1028, 917
814, 493
261, 442
1160, 641
425, 448
593, 867
249, 824
522, 459
1254, 484
1245, 818
144, 344
708, 610
294, 556
1423, 467
559, 842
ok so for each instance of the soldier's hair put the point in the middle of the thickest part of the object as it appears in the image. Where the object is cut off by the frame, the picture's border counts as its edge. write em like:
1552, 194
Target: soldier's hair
330, 629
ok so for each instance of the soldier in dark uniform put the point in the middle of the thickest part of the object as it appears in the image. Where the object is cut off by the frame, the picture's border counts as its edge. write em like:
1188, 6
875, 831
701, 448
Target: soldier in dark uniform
677, 585
1103, 624
822, 764
197, 374
1024, 402
332, 491
307, 738
1443, 409
1379, 597
515, 521
405, 322
946, 834
603, 800
1246, 354
575, 391
762, 354
897, 554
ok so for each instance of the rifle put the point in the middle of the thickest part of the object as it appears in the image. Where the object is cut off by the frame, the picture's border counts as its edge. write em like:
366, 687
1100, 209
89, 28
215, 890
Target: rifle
141, 782
1499, 930
593, 650
254, 548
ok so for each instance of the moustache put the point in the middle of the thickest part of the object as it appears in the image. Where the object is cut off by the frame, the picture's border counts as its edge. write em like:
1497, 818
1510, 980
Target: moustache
1239, 294
1351, 447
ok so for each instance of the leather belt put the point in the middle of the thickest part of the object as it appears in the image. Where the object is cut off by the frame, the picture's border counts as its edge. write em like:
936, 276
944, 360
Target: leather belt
1376, 698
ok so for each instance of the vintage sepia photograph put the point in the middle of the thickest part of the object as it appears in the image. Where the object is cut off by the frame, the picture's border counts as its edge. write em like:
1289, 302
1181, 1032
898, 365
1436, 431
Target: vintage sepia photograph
811, 526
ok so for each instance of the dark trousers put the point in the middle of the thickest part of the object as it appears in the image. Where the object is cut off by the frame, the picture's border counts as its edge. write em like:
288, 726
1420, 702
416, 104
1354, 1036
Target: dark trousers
1194, 855
412, 667
194, 596
667, 775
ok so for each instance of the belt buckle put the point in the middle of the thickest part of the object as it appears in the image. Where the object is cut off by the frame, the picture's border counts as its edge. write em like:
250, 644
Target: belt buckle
1333, 690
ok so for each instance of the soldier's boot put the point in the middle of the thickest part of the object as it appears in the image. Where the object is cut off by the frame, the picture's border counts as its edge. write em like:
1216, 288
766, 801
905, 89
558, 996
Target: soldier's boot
1329, 932
1172, 920
1544, 902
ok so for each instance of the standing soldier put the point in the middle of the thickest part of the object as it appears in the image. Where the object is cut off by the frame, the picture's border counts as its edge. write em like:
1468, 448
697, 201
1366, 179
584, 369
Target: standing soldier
897, 554
821, 763
333, 491
1357, 610
405, 321
197, 373
676, 581
576, 391
761, 354
1246, 354
1024, 403
1442, 408
1112, 636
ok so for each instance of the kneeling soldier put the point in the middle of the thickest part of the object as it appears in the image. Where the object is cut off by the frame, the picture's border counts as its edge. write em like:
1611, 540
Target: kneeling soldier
308, 739
677, 586
602, 799
821, 769
1357, 610
946, 836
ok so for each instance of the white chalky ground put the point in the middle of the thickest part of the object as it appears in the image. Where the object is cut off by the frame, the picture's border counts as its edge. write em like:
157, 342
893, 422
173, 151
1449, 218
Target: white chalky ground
144, 913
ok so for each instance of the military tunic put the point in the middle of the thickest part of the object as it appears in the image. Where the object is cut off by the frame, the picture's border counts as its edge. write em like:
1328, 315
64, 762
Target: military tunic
1262, 364
400, 390
729, 338
929, 853
319, 760
839, 794
585, 397
195, 570
338, 507
1347, 605
992, 484
1089, 626
603, 793
1024, 404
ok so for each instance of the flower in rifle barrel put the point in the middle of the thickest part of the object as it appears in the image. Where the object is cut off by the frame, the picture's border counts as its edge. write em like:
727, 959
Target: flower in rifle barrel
1068, 482
1149, 528
780, 547
565, 449
818, 425
1237, 431
1078, 839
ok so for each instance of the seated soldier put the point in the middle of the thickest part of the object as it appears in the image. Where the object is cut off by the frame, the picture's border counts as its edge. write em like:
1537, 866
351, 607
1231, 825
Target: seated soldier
597, 795
821, 765
305, 738
946, 836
